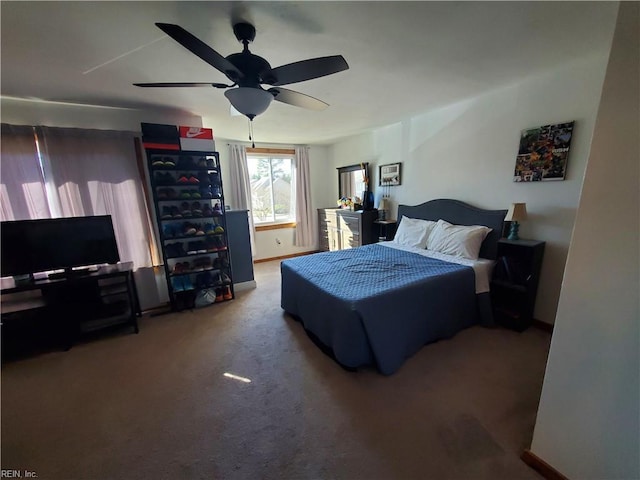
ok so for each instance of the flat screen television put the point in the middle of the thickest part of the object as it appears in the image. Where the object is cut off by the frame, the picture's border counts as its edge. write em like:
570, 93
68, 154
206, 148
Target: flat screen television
32, 246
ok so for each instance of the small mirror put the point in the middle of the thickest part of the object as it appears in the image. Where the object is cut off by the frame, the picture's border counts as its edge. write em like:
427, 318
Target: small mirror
351, 180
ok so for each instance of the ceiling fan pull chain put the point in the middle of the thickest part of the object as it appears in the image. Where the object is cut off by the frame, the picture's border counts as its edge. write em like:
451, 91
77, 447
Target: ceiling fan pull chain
253, 144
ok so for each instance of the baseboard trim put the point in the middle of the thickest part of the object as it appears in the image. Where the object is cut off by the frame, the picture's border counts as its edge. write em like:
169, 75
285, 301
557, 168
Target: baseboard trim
547, 327
540, 466
283, 257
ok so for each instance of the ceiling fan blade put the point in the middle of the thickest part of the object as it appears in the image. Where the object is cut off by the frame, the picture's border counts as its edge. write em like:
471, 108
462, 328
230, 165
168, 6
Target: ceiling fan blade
183, 84
304, 70
201, 49
297, 99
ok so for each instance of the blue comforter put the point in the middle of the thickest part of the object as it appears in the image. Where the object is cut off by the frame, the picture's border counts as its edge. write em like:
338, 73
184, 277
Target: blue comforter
376, 305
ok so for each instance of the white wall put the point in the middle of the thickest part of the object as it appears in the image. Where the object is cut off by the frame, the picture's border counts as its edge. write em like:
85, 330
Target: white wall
58, 114
588, 420
467, 151
279, 243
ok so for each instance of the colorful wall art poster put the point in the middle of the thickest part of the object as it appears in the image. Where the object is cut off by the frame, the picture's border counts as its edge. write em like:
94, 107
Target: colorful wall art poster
543, 153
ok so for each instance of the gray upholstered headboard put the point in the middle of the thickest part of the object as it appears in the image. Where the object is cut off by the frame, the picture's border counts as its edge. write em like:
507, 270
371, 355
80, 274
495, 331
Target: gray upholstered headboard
460, 213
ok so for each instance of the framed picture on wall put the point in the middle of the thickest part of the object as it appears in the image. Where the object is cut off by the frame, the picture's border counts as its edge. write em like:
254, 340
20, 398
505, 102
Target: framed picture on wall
389, 175
543, 153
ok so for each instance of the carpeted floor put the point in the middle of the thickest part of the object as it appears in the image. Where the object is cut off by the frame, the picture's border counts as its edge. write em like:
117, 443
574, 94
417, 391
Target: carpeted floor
157, 405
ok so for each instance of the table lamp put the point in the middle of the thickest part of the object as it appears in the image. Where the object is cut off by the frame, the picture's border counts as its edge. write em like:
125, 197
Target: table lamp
382, 209
517, 212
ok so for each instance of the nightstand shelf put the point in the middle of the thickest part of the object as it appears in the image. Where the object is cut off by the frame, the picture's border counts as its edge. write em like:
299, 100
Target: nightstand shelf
515, 282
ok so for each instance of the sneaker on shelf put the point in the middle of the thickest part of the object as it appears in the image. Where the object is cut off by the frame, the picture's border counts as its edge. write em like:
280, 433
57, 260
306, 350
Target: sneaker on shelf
225, 278
196, 209
193, 179
186, 282
207, 211
205, 192
195, 194
211, 162
199, 230
183, 178
175, 212
214, 178
185, 209
157, 162
168, 231
219, 295
188, 229
177, 284
201, 246
179, 249
166, 213
227, 295
178, 268
209, 228
203, 177
211, 244
171, 193
169, 249
216, 191
192, 248
219, 229
200, 281
217, 209
197, 265
185, 194
207, 263
224, 261
219, 241
162, 193
201, 162
169, 162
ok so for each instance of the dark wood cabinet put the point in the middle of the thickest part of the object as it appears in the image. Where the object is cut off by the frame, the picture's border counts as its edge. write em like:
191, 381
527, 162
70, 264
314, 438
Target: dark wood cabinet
340, 229
51, 310
514, 285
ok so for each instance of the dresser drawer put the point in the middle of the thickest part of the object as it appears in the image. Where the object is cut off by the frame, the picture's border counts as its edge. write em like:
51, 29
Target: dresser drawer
350, 223
327, 219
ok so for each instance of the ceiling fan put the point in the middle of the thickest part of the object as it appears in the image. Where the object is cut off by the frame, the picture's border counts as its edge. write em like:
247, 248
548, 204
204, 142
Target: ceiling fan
248, 72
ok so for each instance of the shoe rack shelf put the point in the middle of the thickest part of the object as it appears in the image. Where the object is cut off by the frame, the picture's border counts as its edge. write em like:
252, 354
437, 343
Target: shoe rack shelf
190, 211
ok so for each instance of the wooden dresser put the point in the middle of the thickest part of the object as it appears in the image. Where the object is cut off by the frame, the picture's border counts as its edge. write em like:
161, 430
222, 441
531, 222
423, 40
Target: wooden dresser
340, 229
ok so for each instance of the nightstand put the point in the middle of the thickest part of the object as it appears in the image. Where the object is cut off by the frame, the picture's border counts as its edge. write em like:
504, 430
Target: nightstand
387, 229
515, 282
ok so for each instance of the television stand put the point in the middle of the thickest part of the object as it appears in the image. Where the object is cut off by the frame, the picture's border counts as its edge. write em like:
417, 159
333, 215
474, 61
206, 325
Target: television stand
65, 307
69, 272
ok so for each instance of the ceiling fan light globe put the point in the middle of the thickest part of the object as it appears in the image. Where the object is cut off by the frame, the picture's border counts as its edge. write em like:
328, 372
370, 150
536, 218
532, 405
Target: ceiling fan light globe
249, 101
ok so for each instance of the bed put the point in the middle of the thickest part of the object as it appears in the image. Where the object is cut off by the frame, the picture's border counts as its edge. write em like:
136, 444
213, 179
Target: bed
377, 305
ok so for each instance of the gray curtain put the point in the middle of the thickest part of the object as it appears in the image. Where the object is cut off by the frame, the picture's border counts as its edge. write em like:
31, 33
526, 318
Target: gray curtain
305, 231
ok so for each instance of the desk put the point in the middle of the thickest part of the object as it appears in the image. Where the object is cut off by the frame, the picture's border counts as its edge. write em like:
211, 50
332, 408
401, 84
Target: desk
75, 304
387, 229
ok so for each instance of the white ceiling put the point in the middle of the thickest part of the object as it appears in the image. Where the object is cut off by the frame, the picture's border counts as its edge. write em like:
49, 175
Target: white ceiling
405, 57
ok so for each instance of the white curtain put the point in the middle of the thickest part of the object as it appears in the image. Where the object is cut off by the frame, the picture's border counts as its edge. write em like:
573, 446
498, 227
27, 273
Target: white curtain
240, 197
22, 189
305, 225
95, 173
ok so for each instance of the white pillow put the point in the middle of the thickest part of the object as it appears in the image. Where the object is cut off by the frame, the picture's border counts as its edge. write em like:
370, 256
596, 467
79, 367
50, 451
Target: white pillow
413, 232
457, 240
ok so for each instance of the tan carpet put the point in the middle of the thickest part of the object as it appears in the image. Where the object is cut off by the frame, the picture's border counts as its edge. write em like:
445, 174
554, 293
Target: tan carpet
156, 405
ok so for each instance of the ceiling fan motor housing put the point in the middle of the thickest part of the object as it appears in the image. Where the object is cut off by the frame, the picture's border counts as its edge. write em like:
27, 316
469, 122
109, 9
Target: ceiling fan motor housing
252, 66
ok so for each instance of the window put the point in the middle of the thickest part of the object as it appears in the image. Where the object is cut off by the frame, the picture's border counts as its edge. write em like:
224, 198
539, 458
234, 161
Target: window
272, 188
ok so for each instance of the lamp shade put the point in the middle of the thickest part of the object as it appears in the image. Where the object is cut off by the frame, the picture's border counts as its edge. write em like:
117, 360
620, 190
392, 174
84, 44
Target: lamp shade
249, 101
517, 212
